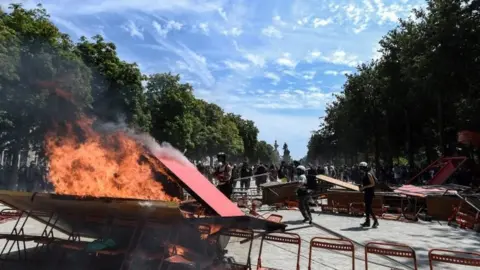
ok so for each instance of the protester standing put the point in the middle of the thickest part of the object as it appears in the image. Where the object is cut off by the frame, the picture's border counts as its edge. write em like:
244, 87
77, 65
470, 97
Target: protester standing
368, 188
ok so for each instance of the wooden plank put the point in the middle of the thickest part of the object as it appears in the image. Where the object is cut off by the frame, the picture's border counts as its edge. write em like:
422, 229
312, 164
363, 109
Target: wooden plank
338, 182
201, 189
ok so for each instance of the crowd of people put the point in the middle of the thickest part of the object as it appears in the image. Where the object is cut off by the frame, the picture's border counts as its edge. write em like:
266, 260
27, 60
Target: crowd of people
227, 175
32, 177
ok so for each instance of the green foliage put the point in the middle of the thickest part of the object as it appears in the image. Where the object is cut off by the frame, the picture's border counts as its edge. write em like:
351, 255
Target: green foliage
415, 98
249, 134
116, 86
265, 153
36, 61
41, 67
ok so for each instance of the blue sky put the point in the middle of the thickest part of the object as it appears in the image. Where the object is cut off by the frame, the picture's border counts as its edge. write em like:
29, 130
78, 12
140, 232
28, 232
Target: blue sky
277, 62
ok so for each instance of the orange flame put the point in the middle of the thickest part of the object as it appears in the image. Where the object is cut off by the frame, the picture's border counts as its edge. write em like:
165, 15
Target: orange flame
102, 165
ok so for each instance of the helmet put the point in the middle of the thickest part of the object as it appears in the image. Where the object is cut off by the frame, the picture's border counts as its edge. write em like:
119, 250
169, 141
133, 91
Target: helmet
221, 154
302, 168
363, 164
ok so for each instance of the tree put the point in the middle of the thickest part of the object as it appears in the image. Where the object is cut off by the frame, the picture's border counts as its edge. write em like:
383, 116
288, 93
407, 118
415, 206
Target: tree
45, 78
415, 98
38, 65
264, 153
249, 133
214, 132
116, 86
171, 105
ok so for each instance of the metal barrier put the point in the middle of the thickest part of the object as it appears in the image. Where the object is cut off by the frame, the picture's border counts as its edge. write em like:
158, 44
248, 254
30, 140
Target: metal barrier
326, 243
247, 235
287, 238
393, 251
461, 260
18, 237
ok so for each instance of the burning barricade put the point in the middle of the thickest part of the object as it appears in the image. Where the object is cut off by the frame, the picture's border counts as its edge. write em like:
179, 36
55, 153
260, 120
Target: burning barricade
117, 204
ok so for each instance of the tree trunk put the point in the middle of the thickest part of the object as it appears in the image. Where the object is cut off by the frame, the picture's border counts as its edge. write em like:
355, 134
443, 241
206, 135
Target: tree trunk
377, 148
389, 152
410, 151
441, 133
13, 181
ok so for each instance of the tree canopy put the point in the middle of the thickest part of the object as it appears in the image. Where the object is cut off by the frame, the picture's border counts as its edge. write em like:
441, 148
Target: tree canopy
414, 99
40, 63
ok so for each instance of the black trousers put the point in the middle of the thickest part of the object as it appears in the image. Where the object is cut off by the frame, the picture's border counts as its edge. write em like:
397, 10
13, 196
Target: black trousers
368, 200
245, 183
226, 189
304, 207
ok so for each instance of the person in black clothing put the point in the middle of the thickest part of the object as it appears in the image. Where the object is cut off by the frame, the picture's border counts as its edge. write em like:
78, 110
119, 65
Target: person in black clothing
368, 188
245, 174
259, 180
282, 171
303, 194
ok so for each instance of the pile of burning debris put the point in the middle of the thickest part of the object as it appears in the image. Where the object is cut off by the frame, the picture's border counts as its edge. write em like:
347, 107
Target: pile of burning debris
118, 204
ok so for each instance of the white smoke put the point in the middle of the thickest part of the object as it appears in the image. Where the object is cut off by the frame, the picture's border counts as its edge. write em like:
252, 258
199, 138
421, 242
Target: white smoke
161, 151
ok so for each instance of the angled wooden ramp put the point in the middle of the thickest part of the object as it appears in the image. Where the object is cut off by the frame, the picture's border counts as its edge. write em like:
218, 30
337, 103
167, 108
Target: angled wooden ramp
337, 182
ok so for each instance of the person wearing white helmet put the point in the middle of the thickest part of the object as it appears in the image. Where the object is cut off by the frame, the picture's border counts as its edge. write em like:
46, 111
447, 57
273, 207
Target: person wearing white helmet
303, 194
300, 175
368, 188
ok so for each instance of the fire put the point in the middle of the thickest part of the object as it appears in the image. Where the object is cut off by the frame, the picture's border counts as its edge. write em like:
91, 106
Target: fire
102, 165
176, 250
215, 228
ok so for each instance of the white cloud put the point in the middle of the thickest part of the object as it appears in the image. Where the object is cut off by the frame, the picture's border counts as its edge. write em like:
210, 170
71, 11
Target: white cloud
236, 65
235, 32
360, 28
166, 28
293, 99
303, 21
339, 33
313, 56
133, 29
274, 77
317, 22
277, 20
313, 89
286, 61
204, 27
196, 64
340, 57
309, 75
256, 60
78, 31
271, 31
290, 73
89, 7
222, 14
331, 72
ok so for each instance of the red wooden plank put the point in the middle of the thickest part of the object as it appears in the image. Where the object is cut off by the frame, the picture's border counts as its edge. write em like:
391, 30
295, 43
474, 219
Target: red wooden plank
443, 174
204, 190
